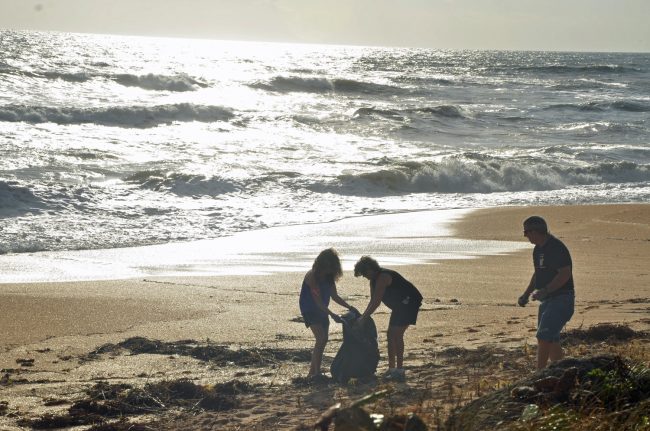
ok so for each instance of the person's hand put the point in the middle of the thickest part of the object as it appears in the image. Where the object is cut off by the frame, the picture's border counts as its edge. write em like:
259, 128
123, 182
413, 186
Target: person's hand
523, 300
337, 318
355, 311
540, 294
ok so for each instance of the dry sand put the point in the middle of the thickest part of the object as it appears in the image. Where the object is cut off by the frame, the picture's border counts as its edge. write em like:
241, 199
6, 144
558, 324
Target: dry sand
468, 303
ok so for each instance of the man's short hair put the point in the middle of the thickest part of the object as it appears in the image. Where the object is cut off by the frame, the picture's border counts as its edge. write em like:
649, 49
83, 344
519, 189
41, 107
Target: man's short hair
364, 264
536, 223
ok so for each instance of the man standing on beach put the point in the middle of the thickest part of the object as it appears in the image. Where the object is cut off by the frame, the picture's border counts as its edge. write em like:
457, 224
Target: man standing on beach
552, 285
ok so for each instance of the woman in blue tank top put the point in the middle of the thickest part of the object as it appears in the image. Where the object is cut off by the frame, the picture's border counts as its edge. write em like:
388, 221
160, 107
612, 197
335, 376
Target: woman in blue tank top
318, 286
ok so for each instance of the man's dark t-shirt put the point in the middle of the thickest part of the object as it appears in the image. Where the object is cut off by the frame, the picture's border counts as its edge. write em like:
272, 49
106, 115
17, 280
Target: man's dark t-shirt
548, 259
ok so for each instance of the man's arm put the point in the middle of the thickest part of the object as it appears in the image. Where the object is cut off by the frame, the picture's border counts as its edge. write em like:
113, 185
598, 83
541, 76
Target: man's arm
563, 275
523, 299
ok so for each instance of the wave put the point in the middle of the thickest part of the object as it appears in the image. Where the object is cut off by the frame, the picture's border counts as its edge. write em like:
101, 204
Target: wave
376, 112
18, 200
479, 174
182, 184
446, 111
449, 111
284, 84
128, 116
69, 77
160, 82
562, 69
621, 105
352, 86
417, 80
586, 84
151, 81
64, 76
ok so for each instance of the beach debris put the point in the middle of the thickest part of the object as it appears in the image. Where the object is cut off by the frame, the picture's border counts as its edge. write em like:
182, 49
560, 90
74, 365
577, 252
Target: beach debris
25, 362
121, 425
105, 401
324, 421
578, 385
531, 411
317, 380
604, 332
479, 357
408, 422
355, 418
208, 352
50, 402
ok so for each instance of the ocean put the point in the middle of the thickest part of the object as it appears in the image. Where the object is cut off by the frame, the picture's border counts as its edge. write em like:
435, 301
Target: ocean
117, 142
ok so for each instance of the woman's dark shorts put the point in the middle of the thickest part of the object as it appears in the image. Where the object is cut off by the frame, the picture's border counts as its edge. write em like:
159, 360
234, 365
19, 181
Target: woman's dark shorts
312, 318
404, 316
553, 314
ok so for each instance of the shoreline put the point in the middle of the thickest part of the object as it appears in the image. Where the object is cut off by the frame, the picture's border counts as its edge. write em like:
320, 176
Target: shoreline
265, 251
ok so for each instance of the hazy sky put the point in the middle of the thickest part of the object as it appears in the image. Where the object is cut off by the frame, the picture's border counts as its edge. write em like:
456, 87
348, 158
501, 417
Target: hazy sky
584, 25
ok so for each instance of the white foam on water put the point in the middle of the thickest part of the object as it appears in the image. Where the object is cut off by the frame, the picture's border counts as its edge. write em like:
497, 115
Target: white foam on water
393, 239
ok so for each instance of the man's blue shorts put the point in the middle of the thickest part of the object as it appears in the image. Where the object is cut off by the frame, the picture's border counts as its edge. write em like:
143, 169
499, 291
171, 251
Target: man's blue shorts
553, 314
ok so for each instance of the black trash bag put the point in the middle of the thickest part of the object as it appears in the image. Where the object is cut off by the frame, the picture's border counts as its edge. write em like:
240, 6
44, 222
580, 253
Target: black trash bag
358, 355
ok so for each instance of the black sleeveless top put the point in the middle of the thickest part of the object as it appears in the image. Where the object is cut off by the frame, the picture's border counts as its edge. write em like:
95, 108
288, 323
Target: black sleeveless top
400, 292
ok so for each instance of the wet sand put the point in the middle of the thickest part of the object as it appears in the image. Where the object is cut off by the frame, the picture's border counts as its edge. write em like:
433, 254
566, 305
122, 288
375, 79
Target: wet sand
469, 303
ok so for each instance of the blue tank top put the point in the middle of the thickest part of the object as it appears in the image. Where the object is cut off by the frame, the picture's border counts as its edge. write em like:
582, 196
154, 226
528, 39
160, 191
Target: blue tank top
307, 304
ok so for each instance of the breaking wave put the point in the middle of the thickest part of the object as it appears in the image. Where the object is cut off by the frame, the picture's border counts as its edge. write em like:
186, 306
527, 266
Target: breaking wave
128, 116
579, 69
160, 82
16, 199
620, 105
150, 81
446, 111
284, 84
449, 111
182, 184
455, 175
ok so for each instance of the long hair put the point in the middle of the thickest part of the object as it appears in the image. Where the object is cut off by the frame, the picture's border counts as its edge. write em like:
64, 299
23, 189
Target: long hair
327, 265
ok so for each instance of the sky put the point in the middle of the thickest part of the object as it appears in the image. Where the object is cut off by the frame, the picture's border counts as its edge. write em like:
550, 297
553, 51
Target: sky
559, 25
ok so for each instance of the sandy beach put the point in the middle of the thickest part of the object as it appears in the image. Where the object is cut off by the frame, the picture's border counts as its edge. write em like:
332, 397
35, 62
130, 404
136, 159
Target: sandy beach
469, 303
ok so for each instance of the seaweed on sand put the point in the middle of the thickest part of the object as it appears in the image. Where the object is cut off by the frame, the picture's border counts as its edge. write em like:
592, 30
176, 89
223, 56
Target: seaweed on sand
604, 332
105, 401
218, 354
